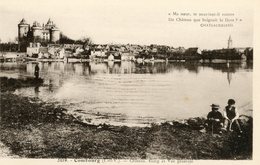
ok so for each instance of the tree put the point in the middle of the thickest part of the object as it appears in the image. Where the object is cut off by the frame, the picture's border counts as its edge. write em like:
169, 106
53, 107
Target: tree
66, 40
85, 41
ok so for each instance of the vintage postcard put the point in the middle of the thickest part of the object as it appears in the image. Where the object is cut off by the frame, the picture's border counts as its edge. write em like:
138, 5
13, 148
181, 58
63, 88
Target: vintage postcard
112, 81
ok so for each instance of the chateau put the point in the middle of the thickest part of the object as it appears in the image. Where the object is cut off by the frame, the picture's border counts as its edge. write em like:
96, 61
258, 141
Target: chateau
38, 33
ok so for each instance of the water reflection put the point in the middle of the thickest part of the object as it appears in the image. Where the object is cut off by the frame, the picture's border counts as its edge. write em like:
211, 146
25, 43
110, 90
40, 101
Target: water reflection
56, 72
129, 92
36, 91
86, 69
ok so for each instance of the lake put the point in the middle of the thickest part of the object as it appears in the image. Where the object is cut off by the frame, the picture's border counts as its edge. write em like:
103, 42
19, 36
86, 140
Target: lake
136, 94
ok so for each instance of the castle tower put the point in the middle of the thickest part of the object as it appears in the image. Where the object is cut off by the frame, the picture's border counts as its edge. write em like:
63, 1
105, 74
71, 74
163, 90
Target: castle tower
54, 31
36, 31
23, 29
55, 34
49, 24
23, 33
229, 42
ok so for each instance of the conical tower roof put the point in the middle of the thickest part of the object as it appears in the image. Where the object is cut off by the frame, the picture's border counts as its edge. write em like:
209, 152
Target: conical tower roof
49, 22
23, 21
36, 24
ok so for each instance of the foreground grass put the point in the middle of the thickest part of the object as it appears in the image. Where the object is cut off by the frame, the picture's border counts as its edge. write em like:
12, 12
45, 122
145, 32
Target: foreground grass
10, 84
34, 129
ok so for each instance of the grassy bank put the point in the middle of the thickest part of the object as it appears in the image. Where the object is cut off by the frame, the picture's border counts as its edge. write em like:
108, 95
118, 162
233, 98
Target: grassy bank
34, 129
10, 84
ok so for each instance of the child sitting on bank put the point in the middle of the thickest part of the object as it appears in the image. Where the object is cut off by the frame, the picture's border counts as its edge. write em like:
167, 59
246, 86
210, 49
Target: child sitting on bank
214, 120
230, 116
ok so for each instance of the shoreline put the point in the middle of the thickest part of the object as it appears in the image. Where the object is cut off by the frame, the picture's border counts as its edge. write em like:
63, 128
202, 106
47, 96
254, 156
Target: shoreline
138, 60
34, 129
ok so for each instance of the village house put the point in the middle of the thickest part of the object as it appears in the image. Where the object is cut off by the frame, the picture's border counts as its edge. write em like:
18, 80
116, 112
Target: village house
33, 49
78, 51
154, 50
177, 50
36, 51
72, 46
135, 49
127, 56
43, 53
98, 52
111, 57
56, 52
192, 51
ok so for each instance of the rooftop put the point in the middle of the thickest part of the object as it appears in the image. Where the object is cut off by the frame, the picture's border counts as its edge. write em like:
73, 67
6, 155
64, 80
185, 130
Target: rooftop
23, 21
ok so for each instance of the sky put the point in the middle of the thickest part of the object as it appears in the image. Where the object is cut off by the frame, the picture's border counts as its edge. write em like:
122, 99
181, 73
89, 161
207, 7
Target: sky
142, 22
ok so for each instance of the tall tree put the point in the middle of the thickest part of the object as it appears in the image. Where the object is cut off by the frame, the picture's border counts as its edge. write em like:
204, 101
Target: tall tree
66, 40
85, 41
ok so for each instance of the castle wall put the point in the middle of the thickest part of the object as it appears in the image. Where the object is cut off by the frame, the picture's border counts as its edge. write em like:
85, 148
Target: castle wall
46, 35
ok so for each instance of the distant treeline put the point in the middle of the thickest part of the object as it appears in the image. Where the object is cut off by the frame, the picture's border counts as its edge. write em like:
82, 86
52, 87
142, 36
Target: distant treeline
8, 47
195, 54
83, 41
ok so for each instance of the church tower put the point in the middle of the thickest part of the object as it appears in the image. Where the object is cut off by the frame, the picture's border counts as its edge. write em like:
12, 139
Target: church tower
229, 42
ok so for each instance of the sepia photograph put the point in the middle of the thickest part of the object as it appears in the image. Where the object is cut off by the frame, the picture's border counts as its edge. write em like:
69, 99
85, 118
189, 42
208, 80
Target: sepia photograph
91, 81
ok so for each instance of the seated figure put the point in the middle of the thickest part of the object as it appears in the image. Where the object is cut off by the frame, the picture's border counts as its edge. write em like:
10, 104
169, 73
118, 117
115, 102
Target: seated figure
214, 120
231, 115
